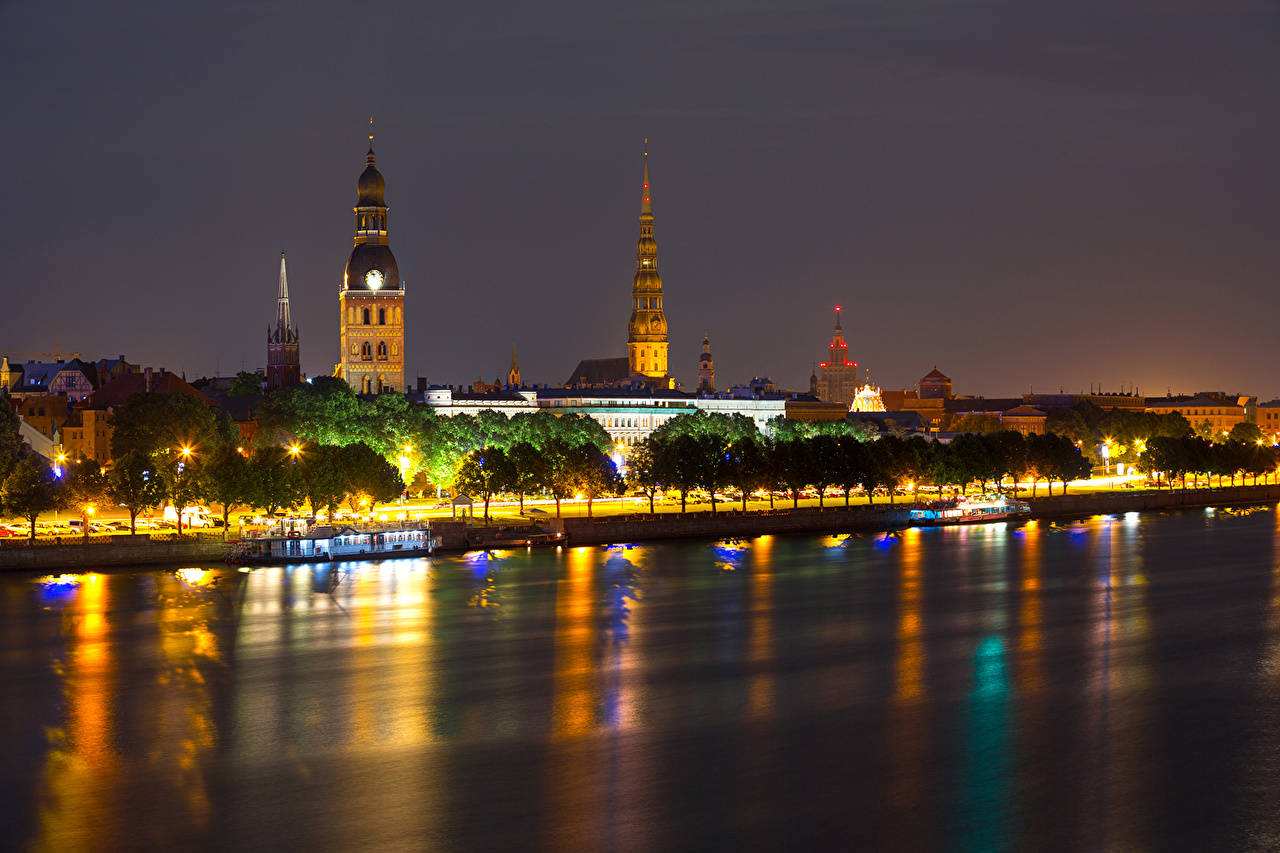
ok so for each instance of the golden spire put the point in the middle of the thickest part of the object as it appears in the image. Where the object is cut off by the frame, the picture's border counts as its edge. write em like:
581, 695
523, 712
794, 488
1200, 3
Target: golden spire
369, 157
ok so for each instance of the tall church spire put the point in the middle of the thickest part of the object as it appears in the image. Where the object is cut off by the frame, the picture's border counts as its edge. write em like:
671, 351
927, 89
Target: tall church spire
647, 329
282, 341
282, 301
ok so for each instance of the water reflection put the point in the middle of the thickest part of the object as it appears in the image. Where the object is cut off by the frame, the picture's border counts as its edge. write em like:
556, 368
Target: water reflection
976, 688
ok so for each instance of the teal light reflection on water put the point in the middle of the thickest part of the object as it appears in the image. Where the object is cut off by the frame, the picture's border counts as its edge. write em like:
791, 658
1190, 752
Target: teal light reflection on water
983, 805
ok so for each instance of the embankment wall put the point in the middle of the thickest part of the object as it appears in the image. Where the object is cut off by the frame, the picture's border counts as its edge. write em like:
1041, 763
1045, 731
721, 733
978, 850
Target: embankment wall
120, 551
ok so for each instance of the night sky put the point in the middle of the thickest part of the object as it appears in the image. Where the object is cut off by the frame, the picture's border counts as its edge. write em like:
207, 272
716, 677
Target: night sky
1046, 194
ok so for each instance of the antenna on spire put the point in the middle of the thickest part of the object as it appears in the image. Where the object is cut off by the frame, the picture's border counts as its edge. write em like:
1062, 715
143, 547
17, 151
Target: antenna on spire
645, 206
370, 131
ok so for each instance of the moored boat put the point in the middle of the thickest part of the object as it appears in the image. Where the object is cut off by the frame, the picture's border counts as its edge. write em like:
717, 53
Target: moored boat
334, 542
969, 511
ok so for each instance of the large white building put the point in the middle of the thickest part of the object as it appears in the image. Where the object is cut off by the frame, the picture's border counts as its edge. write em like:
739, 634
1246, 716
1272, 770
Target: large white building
627, 415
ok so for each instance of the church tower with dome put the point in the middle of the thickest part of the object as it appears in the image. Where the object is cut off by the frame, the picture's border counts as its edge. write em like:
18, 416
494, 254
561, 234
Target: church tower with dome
371, 296
647, 330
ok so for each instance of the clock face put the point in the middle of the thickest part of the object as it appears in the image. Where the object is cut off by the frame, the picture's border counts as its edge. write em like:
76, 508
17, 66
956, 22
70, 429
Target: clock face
373, 279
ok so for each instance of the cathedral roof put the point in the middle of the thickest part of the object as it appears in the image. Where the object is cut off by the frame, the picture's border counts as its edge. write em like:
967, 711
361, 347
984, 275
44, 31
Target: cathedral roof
600, 371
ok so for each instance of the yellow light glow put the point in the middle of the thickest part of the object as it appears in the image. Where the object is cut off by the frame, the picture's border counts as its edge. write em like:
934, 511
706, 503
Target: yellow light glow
295, 450
186, 451
90, 509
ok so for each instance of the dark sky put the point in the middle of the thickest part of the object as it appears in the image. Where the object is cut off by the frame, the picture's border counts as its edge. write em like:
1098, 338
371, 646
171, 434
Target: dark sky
1023, 193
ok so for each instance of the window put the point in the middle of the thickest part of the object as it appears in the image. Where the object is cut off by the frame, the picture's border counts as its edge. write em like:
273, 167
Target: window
382, 349
382, 316
366, 317
366, 351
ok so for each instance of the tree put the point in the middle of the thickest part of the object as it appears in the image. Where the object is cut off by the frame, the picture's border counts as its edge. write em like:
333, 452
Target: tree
853, 460
526, 469
325, 410
276, 480
365, 474
1010, 455
246, 384
791, 466
134, 484
1245, 432
161, 425
485, 473
11, 443
747, 467
558, 470
320, 467
31, 489
228, 480
595, 473
642, 470
822, 459
1067, 462
84, 487
183, 483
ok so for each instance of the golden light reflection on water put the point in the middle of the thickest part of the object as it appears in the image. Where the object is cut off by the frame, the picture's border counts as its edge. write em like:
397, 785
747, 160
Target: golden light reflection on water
760, 652
1030, 637
81, 759
909, 662
573, 784
573, 699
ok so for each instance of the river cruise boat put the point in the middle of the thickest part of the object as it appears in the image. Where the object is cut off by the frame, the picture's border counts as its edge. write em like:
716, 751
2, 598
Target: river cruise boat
969, 511
333, 542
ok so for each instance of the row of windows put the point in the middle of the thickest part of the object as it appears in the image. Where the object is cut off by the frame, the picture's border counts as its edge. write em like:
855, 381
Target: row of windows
648, 302
365, 316
371, 222
366, 351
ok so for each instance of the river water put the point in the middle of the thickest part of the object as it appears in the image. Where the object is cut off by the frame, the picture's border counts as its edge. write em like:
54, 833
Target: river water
1106, 684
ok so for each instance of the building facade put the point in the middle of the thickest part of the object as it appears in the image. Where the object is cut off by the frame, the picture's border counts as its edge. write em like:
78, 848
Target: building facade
1220, 413
838, 376
647, 328
282, 341
371, 296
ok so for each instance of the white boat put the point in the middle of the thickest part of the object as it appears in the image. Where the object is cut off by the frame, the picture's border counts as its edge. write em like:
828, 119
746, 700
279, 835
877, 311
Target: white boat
969, 511
332, 542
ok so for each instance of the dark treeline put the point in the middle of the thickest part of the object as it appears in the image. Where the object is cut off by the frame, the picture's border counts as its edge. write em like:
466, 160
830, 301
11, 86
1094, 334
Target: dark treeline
1176, 458
713, 452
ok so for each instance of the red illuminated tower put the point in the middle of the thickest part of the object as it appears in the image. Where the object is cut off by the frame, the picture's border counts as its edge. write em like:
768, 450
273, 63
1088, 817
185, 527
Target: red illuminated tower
838, 380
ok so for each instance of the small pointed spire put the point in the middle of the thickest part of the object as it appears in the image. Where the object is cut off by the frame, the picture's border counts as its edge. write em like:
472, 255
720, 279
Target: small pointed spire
838, 318
368, 158
515, 365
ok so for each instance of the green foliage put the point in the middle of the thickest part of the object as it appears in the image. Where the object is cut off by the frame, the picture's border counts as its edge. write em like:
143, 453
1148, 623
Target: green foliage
1128, 431
31, 489
228, 480
1245, 432
11, 445
84, 487
276, 480
160, 425
366, 474
485, 473
246, 384
323, 411
134, 483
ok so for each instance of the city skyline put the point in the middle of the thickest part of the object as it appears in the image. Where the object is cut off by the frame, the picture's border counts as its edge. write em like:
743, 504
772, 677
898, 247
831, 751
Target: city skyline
1085, 254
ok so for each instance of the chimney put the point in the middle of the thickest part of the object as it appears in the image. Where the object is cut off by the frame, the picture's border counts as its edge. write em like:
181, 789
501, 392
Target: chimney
146, 384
